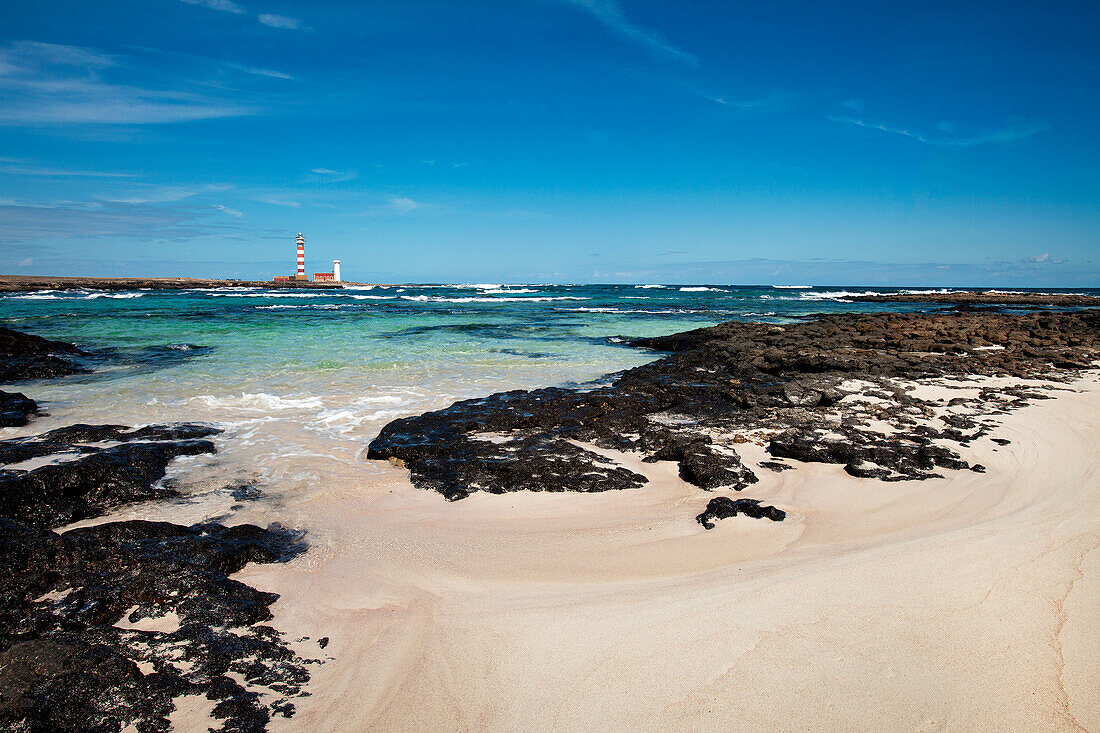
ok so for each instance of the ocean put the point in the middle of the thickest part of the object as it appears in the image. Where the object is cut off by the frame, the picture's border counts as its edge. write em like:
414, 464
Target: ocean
301, 381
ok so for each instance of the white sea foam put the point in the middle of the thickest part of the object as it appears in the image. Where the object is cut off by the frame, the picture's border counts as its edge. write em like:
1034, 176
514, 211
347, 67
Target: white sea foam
477, 299
701, 289
836, 295
256, 402
647, 287
497, 291
310, 306
74, 295
262, 294
371, 297
231, 289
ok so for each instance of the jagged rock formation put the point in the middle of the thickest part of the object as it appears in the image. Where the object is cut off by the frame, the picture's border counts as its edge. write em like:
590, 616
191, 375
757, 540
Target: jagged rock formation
740, 381
23, 356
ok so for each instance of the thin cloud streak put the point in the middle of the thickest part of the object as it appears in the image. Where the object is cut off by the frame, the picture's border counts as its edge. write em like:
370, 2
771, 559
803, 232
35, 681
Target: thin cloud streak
257, 71
334, 176
611, 15
279, 21
235, 213
223, 5
1003, 135
52, 84
17, 170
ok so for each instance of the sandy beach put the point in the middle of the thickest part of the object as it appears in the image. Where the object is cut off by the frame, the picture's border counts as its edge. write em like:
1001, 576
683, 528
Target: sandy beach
965, 603
919, 556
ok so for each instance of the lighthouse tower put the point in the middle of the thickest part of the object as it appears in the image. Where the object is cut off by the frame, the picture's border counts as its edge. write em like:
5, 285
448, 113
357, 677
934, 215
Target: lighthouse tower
301, 242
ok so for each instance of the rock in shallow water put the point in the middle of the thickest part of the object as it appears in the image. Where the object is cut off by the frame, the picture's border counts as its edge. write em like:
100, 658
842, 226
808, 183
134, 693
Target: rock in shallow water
16, 409
23, 356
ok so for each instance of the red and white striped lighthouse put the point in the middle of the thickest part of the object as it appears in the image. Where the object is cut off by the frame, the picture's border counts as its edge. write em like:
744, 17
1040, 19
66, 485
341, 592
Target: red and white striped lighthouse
301, 242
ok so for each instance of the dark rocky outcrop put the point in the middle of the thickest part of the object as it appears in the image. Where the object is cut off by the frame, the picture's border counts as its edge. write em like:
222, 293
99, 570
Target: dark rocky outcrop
66, 666
731, 382
23, 356
75, 654
77, 438
723, 507
93, 483
868, 455
16, 409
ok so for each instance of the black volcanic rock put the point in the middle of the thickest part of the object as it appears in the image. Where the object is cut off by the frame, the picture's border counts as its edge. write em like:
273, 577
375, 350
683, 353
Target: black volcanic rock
76, 438
66, 666
92, 484
723, 507
16, 409
737, 377
23, 356
68, 662
868, 456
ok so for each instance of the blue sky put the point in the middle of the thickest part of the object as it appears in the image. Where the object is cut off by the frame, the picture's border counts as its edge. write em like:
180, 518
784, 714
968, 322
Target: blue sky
554, 140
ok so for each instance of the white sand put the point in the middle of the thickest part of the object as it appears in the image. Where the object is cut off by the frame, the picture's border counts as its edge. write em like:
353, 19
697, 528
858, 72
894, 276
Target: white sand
969, 603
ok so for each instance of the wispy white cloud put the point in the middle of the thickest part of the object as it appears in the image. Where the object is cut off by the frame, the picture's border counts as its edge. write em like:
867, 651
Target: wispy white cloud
778, 101
334, 176
274, 200
91, 220
236, 214
279, 21
257, 71
611, 15
1007, 134
157, 194
402, 205
34, 170
1043, 259
223, 5
42, 83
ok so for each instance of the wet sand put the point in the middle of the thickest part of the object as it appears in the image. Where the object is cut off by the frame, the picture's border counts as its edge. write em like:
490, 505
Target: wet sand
965, 603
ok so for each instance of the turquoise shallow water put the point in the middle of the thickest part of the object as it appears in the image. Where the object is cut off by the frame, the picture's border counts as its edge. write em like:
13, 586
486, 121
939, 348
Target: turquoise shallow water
302, 380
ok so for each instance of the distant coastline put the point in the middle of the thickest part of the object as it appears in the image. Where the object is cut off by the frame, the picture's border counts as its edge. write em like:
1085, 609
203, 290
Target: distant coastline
984, 297
29, 283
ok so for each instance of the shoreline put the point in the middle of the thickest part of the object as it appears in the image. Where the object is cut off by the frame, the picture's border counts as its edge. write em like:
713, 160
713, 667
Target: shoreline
34, 283
985, 297
873, 605
933, 481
